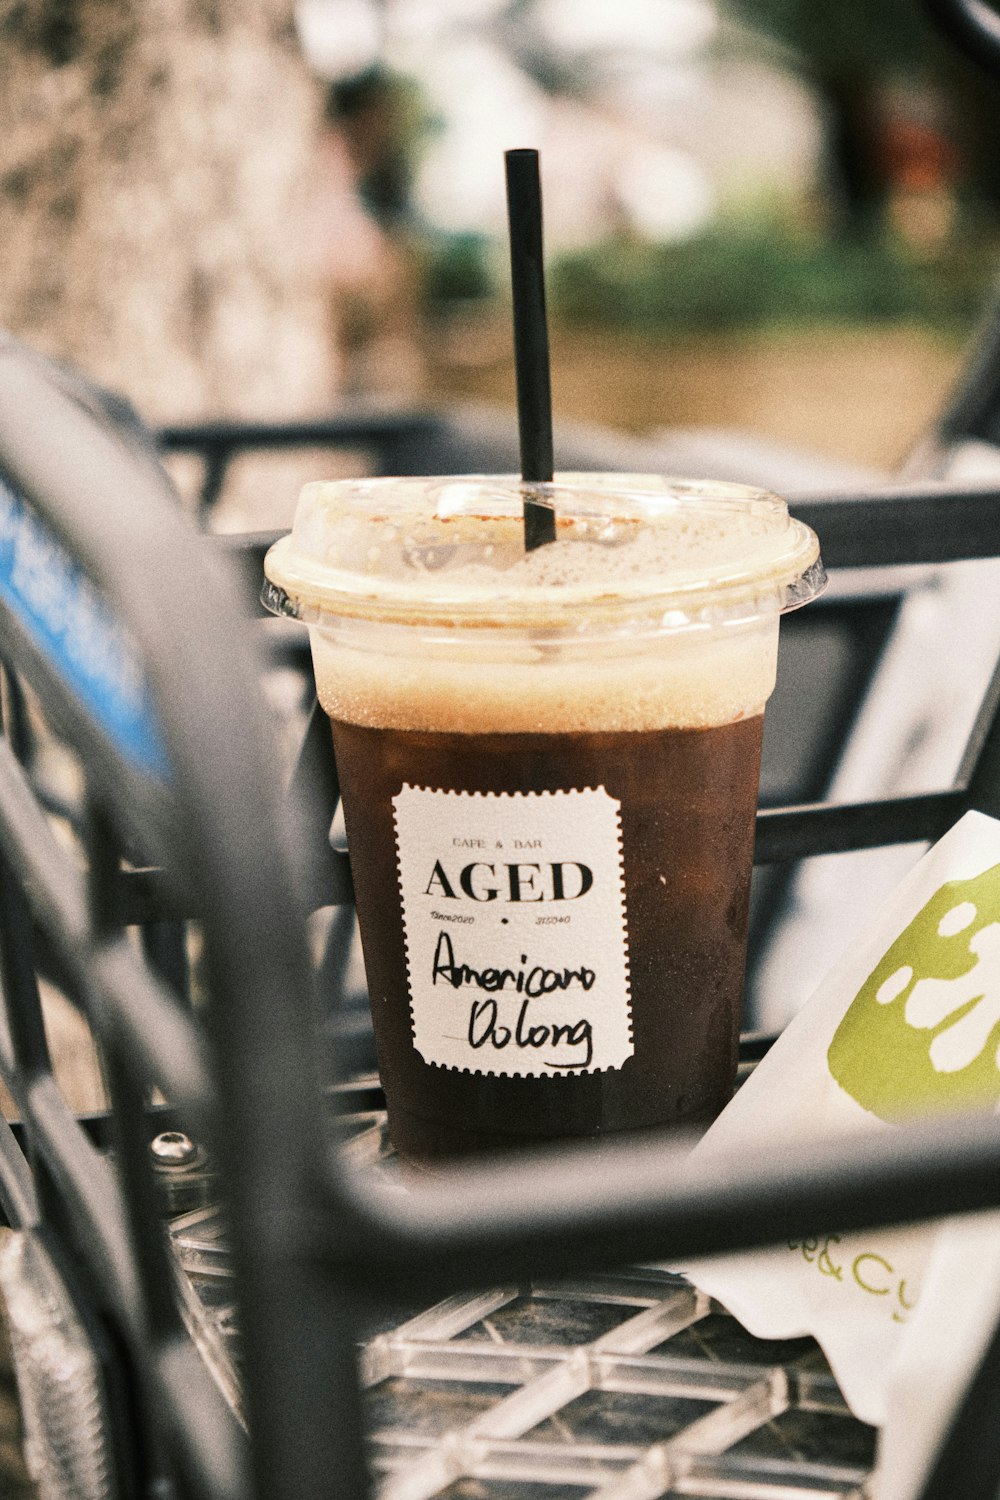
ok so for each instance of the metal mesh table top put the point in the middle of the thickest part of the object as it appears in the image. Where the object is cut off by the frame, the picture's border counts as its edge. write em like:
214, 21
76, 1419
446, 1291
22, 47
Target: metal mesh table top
624, 1386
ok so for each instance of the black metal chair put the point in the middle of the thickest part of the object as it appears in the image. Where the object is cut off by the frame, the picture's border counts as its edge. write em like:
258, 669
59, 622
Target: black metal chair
164, 880
123, 631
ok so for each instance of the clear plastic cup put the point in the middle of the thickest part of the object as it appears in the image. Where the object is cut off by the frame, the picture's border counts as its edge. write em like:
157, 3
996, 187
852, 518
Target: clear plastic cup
549, 767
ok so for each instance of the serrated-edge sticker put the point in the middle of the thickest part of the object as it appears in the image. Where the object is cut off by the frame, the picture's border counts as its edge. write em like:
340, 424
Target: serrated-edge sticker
515, 929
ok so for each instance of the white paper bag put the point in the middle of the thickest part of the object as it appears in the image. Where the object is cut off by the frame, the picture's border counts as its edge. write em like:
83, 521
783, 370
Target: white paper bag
906, 1025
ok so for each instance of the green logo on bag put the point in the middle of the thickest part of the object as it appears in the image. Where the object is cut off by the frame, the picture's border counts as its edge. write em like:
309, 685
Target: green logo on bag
923, 1033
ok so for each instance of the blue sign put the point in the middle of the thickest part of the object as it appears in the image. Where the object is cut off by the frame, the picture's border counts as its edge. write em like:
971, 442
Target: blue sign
68, 620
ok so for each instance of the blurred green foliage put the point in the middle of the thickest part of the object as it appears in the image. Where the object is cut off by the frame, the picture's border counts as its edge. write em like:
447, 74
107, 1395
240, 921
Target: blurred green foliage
739, 274
755, 276
458, 268
753, 272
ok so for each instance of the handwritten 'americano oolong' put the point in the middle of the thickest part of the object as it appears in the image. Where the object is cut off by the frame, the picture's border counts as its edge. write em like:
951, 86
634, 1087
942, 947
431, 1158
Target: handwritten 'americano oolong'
485, 1025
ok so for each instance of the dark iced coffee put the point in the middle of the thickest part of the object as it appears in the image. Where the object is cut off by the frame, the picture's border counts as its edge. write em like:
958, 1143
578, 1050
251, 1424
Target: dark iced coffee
549, 767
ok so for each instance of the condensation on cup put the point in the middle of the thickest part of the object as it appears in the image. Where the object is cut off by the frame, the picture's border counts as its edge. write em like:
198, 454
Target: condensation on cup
549, 766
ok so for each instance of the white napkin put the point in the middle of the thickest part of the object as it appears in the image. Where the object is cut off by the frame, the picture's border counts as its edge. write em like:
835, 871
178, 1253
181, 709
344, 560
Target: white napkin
907, 1024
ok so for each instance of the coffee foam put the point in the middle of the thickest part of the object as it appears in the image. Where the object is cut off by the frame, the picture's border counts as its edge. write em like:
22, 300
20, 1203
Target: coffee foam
692, 683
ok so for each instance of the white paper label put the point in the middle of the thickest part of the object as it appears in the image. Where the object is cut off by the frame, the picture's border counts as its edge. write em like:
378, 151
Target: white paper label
515, 927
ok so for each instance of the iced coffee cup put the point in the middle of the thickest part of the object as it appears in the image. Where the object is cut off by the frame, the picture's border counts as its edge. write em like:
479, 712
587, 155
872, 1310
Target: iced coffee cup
549, 767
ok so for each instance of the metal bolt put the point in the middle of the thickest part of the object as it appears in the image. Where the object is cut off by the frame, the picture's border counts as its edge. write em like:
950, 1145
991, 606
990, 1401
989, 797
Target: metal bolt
172, 1148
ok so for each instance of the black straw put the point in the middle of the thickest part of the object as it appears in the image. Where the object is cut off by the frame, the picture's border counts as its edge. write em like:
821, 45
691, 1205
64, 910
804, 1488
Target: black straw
531, 341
